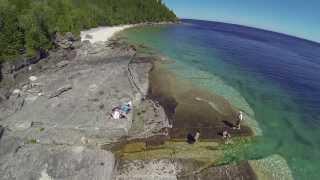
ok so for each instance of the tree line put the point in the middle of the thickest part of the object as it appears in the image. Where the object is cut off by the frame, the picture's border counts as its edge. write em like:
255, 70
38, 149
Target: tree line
29, 26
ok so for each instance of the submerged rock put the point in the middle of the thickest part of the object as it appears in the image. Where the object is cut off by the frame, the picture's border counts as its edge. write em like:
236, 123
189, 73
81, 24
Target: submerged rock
272, 167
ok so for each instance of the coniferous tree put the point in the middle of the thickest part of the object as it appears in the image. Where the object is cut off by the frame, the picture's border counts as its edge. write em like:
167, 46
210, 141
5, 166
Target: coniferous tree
28, 26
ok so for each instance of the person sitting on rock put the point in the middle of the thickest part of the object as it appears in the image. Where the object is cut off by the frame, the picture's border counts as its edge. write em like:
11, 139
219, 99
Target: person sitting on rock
116, 114
191, 139
127, 107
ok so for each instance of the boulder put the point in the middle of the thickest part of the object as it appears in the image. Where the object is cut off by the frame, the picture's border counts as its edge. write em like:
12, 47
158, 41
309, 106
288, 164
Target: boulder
64, 41
65, 44
69, 36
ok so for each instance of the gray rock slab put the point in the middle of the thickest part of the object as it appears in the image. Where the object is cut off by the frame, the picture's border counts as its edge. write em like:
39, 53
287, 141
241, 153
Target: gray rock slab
56, 126
81, 97
35, 161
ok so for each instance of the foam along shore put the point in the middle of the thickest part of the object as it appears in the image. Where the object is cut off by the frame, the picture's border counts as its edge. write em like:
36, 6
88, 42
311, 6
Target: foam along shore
102, 34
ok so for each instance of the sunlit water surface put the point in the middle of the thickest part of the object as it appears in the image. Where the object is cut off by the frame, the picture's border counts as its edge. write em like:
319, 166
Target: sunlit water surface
274, 76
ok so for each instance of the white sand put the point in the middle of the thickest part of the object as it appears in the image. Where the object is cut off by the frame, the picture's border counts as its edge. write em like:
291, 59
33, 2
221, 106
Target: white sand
101, 34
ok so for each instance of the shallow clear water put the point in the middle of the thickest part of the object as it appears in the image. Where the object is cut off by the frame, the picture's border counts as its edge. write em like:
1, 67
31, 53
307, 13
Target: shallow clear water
273, 76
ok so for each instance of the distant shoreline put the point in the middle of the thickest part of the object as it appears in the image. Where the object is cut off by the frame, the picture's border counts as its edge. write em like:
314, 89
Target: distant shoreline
105, 33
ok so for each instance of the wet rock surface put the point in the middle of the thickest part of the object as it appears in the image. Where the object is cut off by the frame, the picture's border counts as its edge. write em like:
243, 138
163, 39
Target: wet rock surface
271, 167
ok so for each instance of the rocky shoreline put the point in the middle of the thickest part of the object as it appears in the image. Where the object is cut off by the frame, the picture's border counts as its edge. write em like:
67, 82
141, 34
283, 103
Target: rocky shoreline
56, 125
54, 113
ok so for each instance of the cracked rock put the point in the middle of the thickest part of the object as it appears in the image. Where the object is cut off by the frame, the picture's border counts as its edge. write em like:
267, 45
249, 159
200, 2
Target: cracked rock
60, 91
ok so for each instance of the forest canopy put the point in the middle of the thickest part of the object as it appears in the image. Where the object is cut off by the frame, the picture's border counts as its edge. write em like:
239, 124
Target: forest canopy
28, 26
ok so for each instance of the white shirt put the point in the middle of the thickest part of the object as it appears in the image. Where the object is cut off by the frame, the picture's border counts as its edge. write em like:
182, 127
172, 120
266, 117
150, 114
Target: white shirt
116, 115
240, 116
196, 137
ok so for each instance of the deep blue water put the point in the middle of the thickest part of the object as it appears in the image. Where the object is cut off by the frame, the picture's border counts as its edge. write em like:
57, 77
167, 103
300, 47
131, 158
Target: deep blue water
277, 75
292, 63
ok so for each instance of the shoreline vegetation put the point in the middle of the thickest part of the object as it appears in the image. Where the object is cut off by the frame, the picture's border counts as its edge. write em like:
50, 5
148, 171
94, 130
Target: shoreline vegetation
28, 28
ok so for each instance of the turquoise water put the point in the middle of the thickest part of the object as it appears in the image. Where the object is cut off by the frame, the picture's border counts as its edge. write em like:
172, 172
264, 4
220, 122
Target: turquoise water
272, 77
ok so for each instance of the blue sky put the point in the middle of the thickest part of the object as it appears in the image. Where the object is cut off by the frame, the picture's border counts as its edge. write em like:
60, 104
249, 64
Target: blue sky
299, 18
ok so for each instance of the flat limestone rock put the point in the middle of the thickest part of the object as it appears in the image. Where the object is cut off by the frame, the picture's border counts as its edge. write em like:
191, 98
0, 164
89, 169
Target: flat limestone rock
35, 161
47, 132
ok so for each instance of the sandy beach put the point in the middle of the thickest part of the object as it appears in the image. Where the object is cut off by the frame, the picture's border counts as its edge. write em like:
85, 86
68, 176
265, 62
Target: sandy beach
101, 34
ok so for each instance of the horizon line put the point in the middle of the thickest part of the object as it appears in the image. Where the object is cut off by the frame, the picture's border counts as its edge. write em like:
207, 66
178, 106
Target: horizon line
258, 28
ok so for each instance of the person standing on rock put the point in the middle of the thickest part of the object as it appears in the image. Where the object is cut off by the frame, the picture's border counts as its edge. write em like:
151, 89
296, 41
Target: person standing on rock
226, 136
196, 136
239, 120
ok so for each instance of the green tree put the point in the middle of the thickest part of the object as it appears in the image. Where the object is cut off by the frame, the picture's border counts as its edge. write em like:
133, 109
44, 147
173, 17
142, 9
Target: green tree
28, 26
